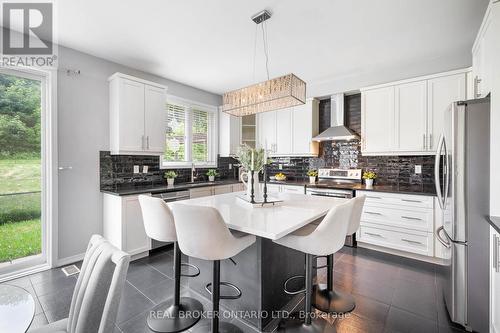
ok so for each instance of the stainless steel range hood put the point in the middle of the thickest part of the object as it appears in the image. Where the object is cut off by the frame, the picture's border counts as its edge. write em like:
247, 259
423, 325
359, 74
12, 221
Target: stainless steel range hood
338, 131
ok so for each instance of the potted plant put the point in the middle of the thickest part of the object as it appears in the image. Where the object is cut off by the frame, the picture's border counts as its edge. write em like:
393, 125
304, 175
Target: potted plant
212, 173
170, 177
252, 161
312, 176
369, 176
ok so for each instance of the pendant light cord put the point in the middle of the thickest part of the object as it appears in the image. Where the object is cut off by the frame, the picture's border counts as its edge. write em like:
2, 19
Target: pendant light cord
265, 43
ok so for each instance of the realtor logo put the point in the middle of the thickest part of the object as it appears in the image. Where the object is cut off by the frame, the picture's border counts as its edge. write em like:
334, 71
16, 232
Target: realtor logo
27, 28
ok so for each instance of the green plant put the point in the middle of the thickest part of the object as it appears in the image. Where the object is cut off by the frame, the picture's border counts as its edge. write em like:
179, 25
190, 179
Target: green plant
369, 175
212, 173
244, 156
170, 175
312, 173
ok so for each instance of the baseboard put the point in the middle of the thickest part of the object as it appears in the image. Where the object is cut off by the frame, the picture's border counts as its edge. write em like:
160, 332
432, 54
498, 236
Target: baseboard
70, 260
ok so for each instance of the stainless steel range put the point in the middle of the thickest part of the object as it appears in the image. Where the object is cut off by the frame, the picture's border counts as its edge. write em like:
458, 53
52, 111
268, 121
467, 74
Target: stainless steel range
338, 183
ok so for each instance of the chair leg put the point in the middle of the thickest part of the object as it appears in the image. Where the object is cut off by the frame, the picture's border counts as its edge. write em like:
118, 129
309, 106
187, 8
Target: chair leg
327, 299
177, 314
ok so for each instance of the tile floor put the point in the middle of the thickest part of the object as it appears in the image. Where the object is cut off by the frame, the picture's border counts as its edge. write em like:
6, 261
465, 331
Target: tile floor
392, 294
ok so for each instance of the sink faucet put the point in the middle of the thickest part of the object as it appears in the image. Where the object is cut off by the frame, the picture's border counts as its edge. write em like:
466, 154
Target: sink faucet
193, 173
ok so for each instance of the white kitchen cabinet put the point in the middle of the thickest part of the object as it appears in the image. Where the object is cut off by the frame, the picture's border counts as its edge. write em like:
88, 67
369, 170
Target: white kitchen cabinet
407, 117
229, 134
483, 56
123, 225
377, 117
396, 221
289, 132
137, 115
441, 93
280, 188
284, 131
494, 281
207, 191
411, 116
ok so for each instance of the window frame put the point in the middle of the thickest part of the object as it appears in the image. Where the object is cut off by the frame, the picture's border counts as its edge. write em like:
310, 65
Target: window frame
213, 143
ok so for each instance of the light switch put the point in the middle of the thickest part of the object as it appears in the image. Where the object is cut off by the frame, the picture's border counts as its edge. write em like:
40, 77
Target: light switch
145, 169
136, 169
418, 169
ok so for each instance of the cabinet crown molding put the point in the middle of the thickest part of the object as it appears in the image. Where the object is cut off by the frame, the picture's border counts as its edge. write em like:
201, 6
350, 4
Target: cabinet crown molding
133, 78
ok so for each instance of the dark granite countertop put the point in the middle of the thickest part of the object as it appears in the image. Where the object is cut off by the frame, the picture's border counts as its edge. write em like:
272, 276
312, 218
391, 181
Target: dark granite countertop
139, 189
494, 221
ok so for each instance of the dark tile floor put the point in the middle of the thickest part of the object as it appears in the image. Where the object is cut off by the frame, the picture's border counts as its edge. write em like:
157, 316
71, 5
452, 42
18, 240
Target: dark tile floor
392, 294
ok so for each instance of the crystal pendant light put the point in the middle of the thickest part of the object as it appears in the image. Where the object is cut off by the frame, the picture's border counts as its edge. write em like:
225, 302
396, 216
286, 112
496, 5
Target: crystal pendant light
273, 94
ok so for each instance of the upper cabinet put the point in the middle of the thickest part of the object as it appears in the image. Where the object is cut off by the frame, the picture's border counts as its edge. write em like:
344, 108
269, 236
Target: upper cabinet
235, 131
483, 56
406, 117
137, 116
289, 132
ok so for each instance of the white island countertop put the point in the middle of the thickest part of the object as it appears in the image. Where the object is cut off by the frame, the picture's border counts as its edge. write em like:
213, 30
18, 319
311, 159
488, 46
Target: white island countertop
296, 211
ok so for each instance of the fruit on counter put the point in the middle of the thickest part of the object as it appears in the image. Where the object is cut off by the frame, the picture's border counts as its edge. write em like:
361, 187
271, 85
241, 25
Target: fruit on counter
280, 176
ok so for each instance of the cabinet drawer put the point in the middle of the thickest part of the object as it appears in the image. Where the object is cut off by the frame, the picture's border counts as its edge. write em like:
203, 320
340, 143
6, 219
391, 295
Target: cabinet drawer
396, 200
415, 219
416, 242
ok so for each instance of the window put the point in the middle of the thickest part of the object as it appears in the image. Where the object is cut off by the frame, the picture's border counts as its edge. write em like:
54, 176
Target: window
190, 134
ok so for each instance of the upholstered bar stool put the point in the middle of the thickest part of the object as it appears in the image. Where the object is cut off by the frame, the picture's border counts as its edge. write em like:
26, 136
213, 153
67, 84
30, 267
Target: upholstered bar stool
316, 240
177, 314
203, 234
326, 298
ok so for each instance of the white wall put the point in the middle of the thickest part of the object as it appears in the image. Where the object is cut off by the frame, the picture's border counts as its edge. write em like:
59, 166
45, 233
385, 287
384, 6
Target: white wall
83, 130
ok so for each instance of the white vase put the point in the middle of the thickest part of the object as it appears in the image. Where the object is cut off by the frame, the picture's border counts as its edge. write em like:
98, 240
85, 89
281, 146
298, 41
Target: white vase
257, 193
170, 181
211, 178
312, 179
369, 183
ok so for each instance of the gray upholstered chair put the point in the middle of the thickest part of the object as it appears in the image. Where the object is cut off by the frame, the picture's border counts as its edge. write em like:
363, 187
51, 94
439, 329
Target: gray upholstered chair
98, 290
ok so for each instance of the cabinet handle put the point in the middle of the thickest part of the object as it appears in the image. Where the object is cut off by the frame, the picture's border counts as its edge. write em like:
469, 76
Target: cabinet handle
477, 81
431, 144
142, 142
147, 141
372, 234
423, 142
411, 241
408, 200
373, 213
411, 218
496, 266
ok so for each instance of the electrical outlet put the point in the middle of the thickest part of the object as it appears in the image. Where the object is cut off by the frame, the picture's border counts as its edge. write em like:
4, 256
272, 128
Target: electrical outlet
418, 169
145, 169
136, 169
280, 166
230, 166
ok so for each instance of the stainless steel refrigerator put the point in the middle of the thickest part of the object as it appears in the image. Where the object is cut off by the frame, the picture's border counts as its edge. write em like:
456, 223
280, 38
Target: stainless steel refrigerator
462, 168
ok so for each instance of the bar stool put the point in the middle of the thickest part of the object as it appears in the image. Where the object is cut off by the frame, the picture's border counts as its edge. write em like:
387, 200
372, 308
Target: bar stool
325, 297
315, 240
179, 314
203, 234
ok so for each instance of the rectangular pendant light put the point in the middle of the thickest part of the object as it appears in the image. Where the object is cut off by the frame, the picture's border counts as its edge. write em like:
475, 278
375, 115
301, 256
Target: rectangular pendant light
273, 94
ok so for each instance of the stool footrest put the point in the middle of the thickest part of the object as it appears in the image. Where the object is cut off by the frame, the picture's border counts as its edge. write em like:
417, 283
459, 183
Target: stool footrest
293, 292
319, 267
238, 294
195, 274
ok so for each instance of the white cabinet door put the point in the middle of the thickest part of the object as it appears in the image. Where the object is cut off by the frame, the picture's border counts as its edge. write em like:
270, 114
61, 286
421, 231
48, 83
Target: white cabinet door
136, 240
155, 119
292, 189
221, 189
267, 130
229, 134
411, 111
201, 192
284, 131
442, 92
302, 128
378, 120
131, 116
494, 282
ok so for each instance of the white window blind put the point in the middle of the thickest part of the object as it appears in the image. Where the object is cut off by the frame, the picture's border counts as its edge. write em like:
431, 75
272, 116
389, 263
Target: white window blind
191, 135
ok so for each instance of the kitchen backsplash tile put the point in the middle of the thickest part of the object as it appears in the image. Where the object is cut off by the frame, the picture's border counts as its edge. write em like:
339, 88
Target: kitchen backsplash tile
118, 171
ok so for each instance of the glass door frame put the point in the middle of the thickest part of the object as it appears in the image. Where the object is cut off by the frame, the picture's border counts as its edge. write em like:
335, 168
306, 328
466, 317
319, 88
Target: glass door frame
49, 171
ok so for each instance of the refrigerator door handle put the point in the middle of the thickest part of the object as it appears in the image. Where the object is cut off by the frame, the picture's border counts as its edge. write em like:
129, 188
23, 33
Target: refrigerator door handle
437, 171
441, 240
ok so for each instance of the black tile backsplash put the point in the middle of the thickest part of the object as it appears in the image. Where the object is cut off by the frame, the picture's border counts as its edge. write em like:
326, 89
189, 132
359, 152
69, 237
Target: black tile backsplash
118, 171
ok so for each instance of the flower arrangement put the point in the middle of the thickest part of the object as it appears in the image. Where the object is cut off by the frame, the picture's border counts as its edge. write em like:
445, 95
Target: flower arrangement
170, 177
251, 159
212, 173
312, 173
369, 175
280, 176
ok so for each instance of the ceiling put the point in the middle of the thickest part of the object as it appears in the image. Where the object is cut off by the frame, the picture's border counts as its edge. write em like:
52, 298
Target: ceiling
327, 43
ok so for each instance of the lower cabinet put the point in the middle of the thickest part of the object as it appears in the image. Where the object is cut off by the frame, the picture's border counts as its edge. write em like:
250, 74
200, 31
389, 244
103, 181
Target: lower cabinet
494, 281
123, 225
213, 190
398, 221
279, 188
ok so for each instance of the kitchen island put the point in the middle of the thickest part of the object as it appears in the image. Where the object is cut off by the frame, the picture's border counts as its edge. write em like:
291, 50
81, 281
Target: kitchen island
260, 270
